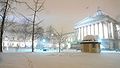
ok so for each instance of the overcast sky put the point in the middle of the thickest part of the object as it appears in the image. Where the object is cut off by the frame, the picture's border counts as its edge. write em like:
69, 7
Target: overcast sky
63, 14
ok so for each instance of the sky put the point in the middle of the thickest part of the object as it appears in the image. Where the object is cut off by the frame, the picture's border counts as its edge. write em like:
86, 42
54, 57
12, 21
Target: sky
63, 14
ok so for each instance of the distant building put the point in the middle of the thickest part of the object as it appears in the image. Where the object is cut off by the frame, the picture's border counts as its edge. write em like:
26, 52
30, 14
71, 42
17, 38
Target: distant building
102, 26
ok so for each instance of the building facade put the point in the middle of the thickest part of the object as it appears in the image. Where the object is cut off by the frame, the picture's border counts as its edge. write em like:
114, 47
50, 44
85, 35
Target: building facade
101, 25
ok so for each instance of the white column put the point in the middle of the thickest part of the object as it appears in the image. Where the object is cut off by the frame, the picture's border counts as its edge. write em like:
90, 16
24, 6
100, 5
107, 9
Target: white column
109, 30
112, 34
100, 30
93, 29
85, 31
96, 29
81, 33
88, 30
103, 29
78, 33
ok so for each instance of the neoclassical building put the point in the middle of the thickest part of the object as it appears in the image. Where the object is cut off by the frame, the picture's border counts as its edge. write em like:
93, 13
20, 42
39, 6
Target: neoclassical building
101, 25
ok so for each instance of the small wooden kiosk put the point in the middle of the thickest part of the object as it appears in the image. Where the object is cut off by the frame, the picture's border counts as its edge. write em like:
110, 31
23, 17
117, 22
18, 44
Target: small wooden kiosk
90, 45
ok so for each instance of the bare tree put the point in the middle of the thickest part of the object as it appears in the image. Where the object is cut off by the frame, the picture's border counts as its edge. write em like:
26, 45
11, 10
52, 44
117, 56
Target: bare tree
60, 36
37, 8
4, 9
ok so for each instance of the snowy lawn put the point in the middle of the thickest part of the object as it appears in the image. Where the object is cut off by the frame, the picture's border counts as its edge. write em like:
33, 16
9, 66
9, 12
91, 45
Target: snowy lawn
60, 60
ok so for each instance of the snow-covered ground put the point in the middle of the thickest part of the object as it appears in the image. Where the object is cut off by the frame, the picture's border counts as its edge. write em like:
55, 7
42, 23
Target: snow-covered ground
60, 60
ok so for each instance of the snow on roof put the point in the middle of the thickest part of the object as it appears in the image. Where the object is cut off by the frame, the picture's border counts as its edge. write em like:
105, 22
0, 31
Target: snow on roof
90, 37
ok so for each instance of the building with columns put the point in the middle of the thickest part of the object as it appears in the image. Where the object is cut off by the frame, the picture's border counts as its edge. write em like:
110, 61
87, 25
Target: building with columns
101, 25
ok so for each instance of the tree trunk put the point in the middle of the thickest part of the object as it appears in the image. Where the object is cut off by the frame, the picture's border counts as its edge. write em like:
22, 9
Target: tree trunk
33, 31
59, 47
2, 25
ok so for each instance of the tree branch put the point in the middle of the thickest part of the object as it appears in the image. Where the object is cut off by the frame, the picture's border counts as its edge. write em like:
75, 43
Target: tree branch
24, 17
39, 22
29, 7
41, 5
